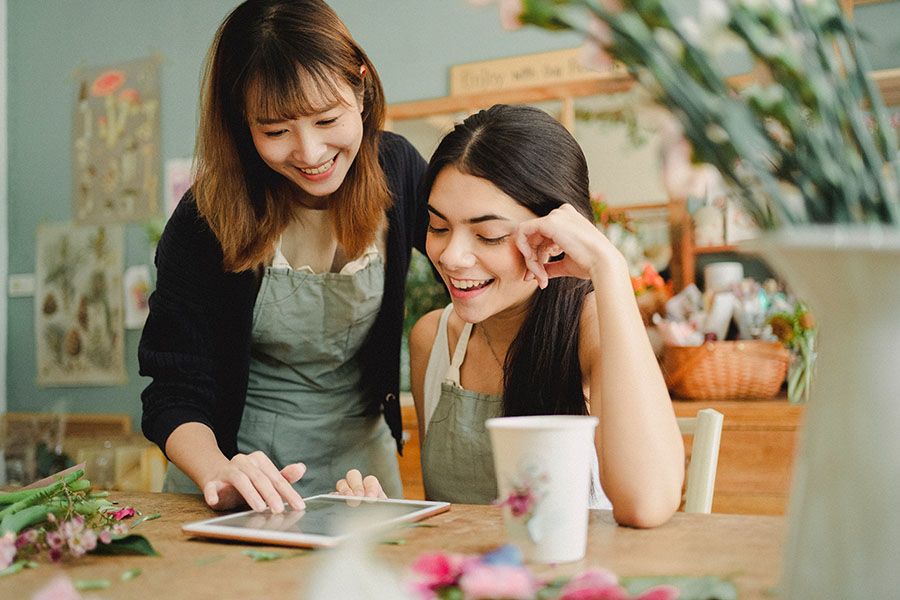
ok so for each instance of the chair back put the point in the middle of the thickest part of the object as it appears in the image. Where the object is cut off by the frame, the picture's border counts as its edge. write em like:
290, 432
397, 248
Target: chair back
706, 428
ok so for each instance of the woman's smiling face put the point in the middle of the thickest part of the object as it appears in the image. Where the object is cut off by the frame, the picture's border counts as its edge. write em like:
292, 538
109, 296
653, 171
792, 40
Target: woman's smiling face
470, 241
314, 151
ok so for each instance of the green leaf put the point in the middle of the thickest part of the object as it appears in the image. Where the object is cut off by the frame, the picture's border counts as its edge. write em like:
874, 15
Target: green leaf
450, 593
143, 518
18, 566
127, 544
399, 542
262, 555
690, 588
92, 584
131, 574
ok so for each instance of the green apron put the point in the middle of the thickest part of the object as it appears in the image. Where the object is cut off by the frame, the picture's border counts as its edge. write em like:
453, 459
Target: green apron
457, 461
304, 395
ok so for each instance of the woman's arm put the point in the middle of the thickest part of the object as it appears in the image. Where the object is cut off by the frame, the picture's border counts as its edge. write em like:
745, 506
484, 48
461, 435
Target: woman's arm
177, 352
640, 448
246, 478
641, 451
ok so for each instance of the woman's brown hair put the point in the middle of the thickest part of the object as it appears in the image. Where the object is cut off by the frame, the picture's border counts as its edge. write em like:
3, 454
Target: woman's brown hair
264, 58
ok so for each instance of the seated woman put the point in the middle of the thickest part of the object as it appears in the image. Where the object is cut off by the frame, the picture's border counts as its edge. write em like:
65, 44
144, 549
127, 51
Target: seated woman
543, 321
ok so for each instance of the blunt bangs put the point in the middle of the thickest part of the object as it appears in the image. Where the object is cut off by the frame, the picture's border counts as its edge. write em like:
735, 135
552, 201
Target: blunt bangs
283, 90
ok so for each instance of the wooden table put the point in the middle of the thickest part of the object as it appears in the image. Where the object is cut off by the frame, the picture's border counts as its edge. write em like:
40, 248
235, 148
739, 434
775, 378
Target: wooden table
745, 547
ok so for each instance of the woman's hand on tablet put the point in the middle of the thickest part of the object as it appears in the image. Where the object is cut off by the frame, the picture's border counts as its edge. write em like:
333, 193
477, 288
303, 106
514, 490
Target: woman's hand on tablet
254, 479
354, 484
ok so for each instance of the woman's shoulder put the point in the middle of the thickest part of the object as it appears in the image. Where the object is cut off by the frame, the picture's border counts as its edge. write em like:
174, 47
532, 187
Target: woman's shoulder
188, 234
425, 330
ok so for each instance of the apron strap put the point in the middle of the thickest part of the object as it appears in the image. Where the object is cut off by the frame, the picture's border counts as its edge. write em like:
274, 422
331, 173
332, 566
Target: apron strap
459, 354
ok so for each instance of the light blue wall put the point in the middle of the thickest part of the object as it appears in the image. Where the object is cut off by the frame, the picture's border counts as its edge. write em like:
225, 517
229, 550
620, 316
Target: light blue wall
412, 42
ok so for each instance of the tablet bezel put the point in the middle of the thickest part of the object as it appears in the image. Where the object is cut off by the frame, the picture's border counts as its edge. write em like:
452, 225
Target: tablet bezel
208, 527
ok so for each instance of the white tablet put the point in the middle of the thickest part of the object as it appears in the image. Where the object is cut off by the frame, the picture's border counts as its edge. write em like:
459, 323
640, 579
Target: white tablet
327, 519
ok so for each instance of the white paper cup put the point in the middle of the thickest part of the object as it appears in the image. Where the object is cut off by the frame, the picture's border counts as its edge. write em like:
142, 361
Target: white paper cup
543, 466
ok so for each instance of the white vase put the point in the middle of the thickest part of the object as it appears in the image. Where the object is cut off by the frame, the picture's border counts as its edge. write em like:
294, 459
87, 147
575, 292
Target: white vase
844, 511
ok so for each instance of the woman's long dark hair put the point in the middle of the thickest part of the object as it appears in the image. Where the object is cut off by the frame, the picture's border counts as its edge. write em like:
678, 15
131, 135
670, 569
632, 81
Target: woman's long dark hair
531, 157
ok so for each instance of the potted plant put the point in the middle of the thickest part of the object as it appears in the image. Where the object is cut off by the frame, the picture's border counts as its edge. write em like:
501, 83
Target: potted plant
809, 149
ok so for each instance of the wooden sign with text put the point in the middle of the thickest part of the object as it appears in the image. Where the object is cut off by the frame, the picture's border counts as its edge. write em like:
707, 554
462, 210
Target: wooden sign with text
530, 70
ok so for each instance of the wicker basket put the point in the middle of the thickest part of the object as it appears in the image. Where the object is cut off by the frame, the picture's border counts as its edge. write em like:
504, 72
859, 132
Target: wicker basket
725, 370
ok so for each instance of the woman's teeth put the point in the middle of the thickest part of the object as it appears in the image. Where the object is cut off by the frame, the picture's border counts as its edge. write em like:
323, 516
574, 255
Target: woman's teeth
320, 169
470, 284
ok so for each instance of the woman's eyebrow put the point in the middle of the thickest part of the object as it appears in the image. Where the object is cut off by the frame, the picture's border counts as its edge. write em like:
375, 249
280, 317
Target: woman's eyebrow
473, 220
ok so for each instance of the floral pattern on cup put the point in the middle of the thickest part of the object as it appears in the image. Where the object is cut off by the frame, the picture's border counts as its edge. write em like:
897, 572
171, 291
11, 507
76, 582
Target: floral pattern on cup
527, 489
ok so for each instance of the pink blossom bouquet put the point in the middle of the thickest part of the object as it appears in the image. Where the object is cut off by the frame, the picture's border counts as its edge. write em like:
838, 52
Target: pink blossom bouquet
500, 575
65, 519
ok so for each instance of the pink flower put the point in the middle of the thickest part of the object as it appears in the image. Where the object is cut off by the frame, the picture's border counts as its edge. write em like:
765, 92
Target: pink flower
596, 584
7, 549
498, 581
105, 536
123, 513
60, 588
26, 538
438, 569
55, 540
592, 56
520, 502
660, 592
511, 14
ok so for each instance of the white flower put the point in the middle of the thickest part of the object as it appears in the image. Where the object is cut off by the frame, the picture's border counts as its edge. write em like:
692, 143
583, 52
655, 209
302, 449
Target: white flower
511, 14
7, 550
714, 13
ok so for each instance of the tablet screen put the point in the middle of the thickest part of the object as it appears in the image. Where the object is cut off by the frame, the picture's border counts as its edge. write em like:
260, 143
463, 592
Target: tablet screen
323, 516
326, 519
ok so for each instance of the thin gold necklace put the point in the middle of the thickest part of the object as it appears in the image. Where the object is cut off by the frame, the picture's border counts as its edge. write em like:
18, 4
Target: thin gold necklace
490, 346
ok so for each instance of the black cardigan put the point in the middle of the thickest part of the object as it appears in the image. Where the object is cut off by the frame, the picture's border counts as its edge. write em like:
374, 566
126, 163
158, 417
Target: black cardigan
196, 342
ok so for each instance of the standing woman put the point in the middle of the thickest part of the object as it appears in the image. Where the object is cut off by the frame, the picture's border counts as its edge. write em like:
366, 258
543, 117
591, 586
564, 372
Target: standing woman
274, 331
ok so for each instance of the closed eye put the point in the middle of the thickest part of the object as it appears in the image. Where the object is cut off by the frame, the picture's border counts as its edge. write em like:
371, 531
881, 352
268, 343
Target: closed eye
436, 230
327, 121
493, 241
275, 134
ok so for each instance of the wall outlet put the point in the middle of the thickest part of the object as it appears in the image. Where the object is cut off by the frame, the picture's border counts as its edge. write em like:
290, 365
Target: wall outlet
21, 285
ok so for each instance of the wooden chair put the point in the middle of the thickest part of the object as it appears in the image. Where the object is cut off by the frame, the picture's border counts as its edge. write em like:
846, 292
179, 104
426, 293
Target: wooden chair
706, 428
